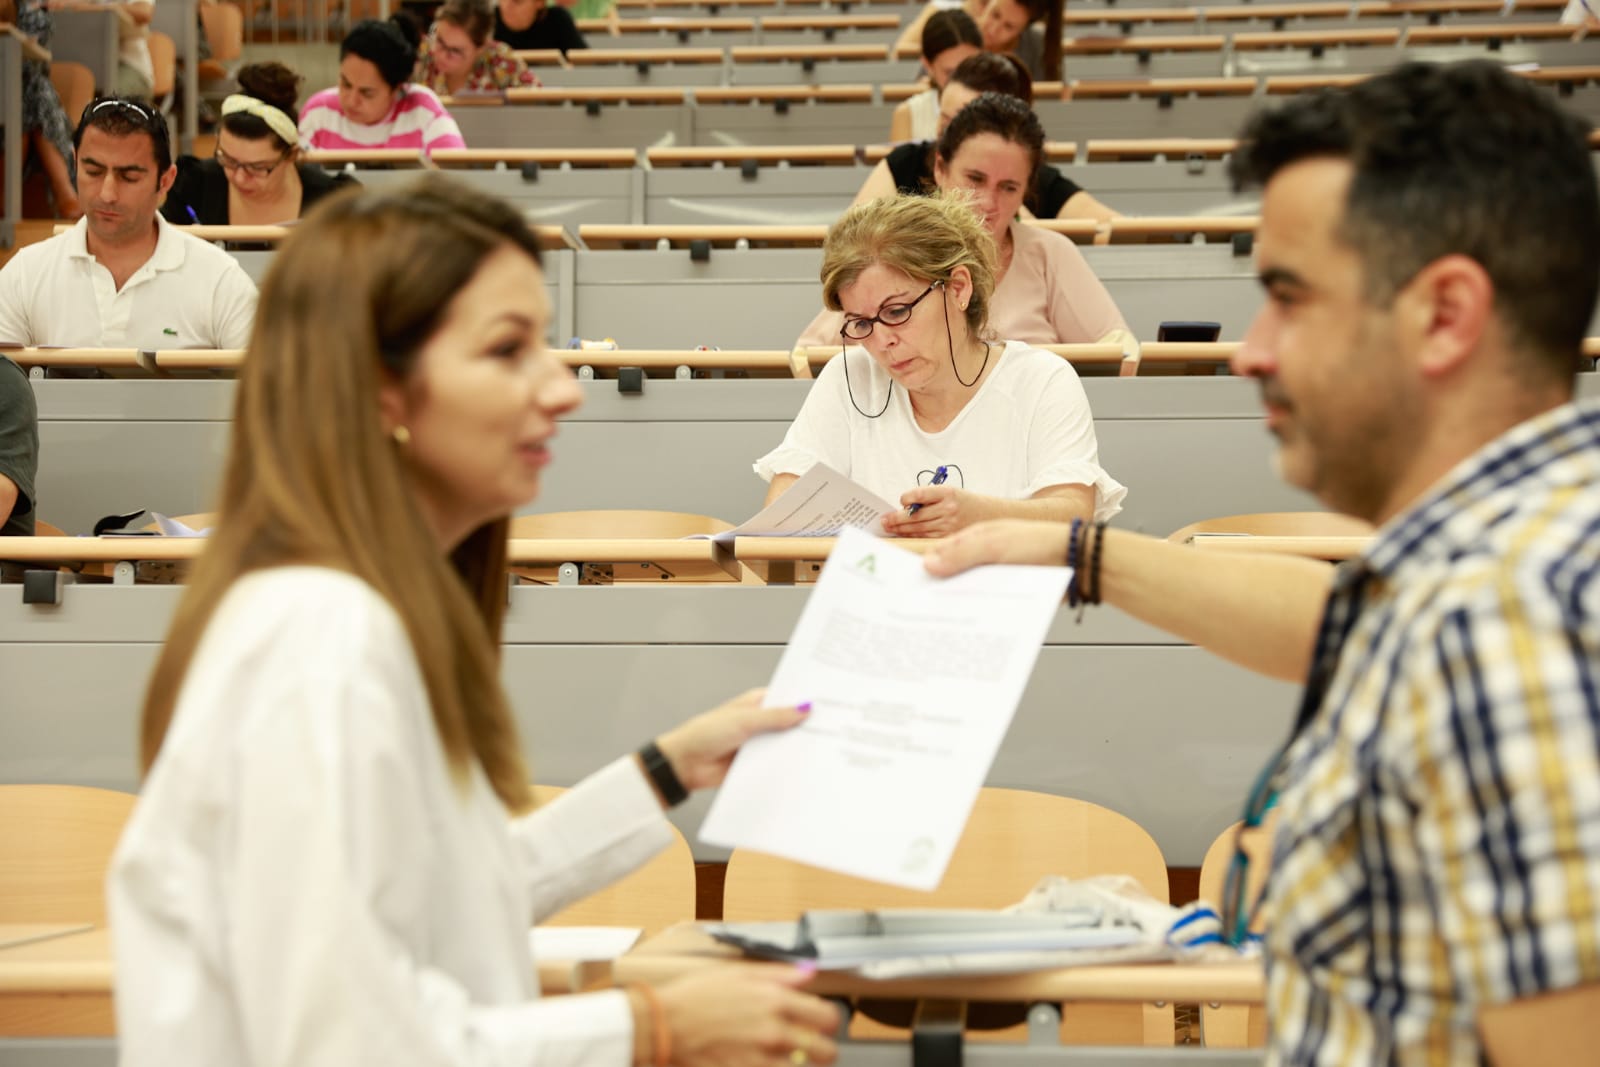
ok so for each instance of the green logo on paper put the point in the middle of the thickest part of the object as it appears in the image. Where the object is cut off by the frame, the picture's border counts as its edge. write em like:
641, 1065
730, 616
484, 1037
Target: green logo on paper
869, 563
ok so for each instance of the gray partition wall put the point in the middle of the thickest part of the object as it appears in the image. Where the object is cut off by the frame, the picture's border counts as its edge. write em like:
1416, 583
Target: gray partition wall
1116, 713
1187, 448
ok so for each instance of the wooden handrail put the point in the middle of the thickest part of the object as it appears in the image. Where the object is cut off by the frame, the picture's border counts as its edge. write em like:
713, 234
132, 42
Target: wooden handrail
797, 53
765, 154
1149, 148
1248, 42
606, 235
1096, 46
466, 158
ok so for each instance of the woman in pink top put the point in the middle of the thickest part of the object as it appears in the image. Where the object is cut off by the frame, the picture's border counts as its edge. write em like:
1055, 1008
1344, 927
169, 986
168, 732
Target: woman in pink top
374, 106
1046, 293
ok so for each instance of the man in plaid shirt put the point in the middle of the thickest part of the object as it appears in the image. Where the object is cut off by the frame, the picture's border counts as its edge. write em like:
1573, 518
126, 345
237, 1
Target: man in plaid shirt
1430, 249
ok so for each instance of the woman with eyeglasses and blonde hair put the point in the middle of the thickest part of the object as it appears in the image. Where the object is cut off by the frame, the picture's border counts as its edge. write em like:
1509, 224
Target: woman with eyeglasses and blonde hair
333, 859
460, 54
922, 385
256, 177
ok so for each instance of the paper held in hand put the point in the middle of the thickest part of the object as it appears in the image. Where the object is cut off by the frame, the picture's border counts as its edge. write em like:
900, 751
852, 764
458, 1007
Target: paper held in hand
913, 681
820, 504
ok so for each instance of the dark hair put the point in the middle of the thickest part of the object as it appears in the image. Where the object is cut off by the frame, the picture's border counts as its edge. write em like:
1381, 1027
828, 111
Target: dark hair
271, 83
1051, 12
1005, 117
988, 72
1461, 159
390, 46
476, 17
946, 29
123, 116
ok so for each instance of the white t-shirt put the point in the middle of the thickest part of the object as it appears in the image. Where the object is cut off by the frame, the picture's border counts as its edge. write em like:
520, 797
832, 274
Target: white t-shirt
924, 111
188, 294
1027, 427
304, 884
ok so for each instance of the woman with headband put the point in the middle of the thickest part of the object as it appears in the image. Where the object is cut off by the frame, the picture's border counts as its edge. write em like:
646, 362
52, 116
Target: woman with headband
921, 386
255, 178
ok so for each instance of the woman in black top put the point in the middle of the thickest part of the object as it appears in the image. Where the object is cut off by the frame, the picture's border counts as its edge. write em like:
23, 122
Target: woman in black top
255, 178
908, 168
536, 24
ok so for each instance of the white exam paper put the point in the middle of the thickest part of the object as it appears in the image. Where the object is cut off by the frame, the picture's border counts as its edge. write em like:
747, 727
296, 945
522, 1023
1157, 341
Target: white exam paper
581, 942
913, 681
820, 503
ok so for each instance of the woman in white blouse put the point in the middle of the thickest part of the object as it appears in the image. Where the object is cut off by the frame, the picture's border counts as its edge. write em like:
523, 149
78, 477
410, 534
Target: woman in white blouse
922, 387
332, 861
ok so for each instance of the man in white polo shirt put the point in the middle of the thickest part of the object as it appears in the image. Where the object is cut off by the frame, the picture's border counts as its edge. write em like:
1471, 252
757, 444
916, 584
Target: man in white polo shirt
123, 277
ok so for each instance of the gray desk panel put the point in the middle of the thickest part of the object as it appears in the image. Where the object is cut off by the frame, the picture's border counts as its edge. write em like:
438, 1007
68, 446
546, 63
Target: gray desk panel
656, 75
1083, 729
617, 126
90, 38
569, 196
1187, 448
671, 39
775, 196
1156, 65
11, 146
804, 123
1080, 120
827, 72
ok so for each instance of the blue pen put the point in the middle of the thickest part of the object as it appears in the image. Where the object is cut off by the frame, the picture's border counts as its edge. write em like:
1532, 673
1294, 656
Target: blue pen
192, 216
938, 479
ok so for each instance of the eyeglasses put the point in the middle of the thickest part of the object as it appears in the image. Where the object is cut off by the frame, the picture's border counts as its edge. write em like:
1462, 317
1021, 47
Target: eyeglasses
446, 49
144, 117
255, 170
859, 329
1237, 918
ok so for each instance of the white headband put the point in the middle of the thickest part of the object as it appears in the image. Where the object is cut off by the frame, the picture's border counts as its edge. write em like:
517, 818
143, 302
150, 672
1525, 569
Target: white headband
275, 118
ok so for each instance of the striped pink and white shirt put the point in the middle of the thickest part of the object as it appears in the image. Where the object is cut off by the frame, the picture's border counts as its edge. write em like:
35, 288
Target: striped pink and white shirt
417, 120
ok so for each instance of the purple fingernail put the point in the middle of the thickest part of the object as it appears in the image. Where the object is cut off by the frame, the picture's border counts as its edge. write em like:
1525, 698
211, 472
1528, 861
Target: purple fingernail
804, 709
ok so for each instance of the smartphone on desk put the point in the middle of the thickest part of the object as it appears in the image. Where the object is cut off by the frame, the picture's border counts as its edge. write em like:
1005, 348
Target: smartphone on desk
1202, 332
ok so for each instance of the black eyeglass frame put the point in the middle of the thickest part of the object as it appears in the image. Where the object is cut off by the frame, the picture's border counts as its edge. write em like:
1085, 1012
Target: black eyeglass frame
228, 163
889, 315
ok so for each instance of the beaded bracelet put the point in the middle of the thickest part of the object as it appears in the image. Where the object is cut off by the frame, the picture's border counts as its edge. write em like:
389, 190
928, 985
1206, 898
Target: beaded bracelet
1092, 595
1072, 562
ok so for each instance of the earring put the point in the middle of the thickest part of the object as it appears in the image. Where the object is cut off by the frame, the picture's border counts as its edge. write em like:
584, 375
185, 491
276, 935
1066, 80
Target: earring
401, 435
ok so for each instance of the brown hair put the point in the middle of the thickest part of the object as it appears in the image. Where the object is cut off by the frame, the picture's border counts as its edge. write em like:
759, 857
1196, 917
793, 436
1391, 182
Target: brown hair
990, 72
922, 237
312, 478
271, 83
476, 17
1051, 11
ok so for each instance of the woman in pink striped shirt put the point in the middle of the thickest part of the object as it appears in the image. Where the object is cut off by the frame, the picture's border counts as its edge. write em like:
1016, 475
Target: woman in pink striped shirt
374, 106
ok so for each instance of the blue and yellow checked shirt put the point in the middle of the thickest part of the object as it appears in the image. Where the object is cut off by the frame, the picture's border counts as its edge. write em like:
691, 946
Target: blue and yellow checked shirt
1438, 844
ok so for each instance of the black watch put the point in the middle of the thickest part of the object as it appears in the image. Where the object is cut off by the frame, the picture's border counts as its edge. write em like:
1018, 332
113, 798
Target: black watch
661, 773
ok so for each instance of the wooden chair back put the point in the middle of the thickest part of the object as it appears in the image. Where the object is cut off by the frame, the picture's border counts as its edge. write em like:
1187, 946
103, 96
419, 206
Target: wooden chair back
616, 523
658, 895
1279, 524
164, 59
74, 84
1236, 1026
224, 27
1013, 838
56, 843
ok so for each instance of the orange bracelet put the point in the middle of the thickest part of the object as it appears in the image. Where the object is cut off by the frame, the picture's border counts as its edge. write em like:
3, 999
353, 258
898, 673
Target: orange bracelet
660, 1036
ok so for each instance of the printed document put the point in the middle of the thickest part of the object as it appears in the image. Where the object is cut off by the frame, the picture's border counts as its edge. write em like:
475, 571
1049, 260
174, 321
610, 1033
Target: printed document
913, 681
819, 504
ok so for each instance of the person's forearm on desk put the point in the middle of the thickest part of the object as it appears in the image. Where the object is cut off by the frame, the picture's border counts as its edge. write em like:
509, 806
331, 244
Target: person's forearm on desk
1259, 611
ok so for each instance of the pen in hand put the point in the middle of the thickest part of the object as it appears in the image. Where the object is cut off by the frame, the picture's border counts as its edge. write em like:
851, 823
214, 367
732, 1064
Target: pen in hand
938, 479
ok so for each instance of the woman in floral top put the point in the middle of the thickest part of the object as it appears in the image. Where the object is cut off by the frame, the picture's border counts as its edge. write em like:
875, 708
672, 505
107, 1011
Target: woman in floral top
460, 53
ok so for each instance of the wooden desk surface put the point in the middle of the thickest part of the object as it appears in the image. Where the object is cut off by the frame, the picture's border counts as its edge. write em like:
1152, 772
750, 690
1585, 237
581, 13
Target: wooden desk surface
1328, 548
15, 934
687, 948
